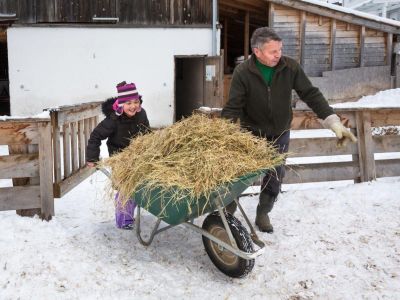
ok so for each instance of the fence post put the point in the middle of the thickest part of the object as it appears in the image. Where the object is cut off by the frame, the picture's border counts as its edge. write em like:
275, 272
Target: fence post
365, 146
46, 170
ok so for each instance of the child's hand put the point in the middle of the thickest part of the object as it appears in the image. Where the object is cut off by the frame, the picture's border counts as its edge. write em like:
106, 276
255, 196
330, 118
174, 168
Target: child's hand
91, 164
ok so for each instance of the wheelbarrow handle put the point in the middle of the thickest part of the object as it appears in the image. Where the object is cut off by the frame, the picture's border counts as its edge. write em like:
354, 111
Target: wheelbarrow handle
104, 171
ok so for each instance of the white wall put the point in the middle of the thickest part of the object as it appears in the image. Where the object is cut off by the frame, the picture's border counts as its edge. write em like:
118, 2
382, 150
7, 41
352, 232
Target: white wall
60, 66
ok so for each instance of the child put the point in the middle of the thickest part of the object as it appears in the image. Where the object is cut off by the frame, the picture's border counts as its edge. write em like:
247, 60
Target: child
125, 119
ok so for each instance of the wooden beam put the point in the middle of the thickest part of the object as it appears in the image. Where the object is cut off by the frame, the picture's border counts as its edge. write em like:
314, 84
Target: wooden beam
365, 146
226, 43
19, 197
362, 46
271, 14
19, 166
389, 48
46, 171
303, 25
246, 34
333, 44
319, 172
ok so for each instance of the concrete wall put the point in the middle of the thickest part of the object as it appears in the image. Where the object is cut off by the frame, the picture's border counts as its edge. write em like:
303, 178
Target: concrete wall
59, 66
352, 84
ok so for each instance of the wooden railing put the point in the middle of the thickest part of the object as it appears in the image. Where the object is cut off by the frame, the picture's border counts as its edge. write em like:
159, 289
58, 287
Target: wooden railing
71, 128
362, 166
37, 178
28, 164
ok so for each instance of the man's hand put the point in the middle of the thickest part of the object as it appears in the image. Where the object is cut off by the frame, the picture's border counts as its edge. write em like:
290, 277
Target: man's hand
342, 133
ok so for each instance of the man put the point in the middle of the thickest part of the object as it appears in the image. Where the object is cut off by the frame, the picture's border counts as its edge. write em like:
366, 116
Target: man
260, 96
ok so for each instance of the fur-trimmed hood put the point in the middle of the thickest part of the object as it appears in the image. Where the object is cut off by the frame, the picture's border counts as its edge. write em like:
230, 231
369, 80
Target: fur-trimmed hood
106, 107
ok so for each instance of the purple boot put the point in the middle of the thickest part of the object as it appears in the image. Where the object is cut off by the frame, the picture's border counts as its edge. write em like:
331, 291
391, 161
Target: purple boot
124, 215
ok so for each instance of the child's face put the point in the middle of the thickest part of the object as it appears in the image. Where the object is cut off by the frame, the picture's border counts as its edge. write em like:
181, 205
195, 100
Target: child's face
131, 107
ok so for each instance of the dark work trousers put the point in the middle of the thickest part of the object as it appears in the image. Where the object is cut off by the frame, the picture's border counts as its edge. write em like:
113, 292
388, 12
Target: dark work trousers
272, 181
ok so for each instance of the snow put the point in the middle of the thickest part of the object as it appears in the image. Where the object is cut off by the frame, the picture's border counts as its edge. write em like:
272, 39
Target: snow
329, 243
335, 240
386, 98
354, 12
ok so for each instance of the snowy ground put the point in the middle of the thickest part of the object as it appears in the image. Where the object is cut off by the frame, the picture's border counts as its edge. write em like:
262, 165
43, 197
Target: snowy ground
329, 243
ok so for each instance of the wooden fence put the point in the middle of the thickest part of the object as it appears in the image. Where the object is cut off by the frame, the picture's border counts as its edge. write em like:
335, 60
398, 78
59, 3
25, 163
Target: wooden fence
363, 166
71, 128
38, 179
28, 163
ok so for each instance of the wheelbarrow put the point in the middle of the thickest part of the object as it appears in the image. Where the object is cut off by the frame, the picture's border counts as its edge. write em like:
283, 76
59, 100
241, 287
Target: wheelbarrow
227, 242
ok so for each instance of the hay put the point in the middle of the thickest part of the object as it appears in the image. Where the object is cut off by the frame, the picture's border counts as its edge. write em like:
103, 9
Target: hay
193, 157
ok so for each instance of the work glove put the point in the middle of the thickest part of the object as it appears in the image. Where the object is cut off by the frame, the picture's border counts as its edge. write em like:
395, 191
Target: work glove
342, 133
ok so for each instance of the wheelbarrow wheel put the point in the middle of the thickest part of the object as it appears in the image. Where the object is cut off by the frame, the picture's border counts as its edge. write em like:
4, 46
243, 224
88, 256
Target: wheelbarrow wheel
227, 262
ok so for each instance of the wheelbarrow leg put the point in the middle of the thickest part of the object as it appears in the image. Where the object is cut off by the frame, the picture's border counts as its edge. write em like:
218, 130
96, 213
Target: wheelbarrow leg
138, 232
227, 228
256, 240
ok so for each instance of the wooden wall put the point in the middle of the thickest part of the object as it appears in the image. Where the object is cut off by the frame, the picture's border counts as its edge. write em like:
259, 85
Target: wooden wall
129, 12
322, 43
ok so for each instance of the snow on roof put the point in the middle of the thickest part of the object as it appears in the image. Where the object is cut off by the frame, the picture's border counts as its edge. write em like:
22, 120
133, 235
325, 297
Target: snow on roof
387, 98
354, 12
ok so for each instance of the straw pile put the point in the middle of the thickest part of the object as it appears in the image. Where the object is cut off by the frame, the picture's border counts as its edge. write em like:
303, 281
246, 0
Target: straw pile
193, 157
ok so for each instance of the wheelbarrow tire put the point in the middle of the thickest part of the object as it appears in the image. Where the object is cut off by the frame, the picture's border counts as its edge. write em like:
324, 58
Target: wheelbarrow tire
227, 262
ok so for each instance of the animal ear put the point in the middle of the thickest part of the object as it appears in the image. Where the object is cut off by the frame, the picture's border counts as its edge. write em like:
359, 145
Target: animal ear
121, 83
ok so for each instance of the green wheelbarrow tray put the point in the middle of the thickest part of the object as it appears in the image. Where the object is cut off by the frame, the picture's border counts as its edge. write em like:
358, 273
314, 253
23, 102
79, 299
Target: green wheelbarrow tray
159, 203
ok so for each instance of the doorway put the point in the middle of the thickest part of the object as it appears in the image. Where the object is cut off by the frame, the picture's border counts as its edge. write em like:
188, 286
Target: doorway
189, 85
198, 82
4, 81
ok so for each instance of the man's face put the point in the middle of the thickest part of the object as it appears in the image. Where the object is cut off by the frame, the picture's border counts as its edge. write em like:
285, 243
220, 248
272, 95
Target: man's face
270, 53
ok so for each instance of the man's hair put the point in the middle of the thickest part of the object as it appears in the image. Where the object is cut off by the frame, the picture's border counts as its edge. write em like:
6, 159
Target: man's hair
263, 35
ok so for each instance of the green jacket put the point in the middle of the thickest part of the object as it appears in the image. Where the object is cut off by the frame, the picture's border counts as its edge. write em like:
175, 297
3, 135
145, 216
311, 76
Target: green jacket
267, 111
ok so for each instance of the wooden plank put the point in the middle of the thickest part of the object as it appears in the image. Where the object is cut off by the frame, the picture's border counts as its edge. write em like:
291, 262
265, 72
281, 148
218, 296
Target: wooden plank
87, 134
18, 133
333, 44
19, 197
303, 25
271, 15
320, 172
308, 120
56, 146
365, 146
27, 11
46, 171
19, 165
67, 150
74, 146
387, 168
81, 143
362, 46
386, 143
69, 183
46, 11
324, 146
246, 36
389, 48
75, 116
385, 117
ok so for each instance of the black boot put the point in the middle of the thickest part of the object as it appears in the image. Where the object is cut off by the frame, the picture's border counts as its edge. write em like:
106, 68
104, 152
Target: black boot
263, 208
231, 207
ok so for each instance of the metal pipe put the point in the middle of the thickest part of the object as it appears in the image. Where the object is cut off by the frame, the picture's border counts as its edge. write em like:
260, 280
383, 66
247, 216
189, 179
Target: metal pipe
214, 28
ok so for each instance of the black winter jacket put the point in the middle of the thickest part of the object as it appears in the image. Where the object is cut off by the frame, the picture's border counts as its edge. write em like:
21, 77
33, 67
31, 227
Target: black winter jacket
267, 110
118, 129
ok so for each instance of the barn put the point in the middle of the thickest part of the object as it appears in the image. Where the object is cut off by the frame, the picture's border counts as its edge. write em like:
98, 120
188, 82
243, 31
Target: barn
180, 53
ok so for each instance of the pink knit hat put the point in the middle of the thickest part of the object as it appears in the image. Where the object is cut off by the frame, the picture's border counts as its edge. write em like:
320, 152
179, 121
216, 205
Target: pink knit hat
126, 92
